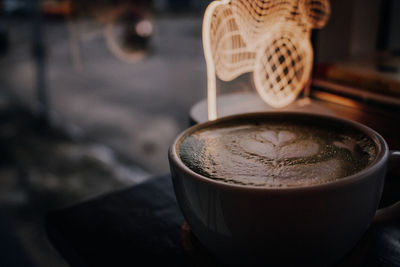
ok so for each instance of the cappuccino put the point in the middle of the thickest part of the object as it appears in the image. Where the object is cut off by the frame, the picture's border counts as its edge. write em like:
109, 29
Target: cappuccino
276, 153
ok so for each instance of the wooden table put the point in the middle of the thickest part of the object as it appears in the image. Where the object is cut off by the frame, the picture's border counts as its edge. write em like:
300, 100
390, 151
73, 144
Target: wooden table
142, 226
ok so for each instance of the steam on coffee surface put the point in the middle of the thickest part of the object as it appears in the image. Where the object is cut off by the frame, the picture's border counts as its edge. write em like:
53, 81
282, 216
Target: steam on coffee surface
276, 154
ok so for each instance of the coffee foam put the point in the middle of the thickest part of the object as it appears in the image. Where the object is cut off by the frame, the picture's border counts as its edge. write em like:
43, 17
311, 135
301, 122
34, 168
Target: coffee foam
276, 154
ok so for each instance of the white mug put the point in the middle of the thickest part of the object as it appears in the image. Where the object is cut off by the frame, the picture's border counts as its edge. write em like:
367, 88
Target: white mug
306, 225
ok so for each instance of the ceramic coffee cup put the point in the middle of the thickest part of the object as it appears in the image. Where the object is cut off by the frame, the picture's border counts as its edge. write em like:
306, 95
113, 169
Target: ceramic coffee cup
306, 225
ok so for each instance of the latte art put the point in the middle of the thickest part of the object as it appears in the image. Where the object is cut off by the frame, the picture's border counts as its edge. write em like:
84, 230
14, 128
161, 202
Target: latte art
276, 154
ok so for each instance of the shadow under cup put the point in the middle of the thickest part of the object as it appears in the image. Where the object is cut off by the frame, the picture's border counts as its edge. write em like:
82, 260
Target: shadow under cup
304, 225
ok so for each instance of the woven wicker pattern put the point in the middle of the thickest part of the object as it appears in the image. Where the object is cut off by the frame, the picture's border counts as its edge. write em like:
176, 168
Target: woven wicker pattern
269, 38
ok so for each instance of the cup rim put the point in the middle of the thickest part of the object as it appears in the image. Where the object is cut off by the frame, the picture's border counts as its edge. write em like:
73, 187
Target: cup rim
380, 159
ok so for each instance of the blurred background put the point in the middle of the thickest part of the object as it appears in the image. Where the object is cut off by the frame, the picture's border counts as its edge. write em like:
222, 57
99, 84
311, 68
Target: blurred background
92, 93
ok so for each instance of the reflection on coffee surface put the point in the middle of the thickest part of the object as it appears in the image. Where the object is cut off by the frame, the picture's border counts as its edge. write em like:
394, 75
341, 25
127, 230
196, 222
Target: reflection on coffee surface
276, 154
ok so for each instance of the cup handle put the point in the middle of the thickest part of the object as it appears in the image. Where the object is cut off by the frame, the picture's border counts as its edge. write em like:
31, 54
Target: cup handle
390, 213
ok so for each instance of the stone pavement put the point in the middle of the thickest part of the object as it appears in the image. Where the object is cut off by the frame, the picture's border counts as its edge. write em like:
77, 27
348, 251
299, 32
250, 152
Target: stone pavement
135, 108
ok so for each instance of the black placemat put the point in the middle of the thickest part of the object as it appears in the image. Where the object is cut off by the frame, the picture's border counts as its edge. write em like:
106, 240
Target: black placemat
138, 226
141, 226
12, 252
